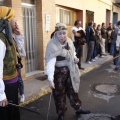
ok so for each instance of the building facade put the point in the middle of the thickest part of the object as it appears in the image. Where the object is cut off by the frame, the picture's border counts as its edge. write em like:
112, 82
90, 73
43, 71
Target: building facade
37, 19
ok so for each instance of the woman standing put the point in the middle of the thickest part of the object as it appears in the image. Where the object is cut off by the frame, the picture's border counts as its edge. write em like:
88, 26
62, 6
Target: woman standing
98, 40
62, 70
8, 70
19, 40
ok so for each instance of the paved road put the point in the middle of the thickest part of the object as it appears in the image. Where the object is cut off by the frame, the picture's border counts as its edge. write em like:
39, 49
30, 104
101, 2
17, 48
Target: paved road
103, 100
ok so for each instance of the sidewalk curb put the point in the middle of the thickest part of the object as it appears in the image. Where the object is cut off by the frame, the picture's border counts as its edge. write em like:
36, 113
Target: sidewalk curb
45, 90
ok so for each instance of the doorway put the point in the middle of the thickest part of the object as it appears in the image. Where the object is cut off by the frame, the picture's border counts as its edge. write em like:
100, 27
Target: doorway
29, 27
115, 18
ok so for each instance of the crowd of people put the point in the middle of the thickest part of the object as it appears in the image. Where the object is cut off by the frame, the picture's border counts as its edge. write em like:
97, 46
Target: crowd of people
100, 41
63, 59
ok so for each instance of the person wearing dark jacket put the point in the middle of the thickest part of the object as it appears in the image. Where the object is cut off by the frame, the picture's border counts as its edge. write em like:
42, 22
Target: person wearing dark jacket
104, 37
80, 41
91, 46
108, 41
113, 41
95, 49
87, 30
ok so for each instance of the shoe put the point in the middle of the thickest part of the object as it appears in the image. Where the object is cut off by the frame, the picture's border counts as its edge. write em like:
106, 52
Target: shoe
96, 58
115, 118
22, 98
116, 69
88, 62
104, 54
82, 111
60, 117
82, 68
93, 60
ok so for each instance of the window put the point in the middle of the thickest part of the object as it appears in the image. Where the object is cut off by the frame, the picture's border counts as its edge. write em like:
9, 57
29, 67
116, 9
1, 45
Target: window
2, 2
65, 16
28, 1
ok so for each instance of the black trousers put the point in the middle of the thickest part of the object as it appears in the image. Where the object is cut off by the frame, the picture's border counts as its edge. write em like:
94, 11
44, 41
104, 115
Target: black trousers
63, 87
10, 113
79, 51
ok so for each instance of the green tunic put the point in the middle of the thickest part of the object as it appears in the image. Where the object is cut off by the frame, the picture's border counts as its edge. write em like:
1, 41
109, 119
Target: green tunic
10, 60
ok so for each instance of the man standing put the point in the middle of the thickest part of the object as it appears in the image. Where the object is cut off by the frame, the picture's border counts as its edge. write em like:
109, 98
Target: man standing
118, 47
91, 44
109, 27
75, 28
104, 37
74, 33
87, 30
108, 41
8, 63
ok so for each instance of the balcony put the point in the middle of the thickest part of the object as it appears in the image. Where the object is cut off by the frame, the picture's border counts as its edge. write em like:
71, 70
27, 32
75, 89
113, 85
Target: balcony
116, 1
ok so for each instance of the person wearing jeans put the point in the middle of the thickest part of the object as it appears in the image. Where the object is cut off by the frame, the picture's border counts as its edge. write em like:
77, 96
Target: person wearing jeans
113, 41
91, 45
117, 67
90, 51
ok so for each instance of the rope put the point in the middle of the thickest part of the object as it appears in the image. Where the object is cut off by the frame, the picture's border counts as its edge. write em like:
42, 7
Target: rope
49, 106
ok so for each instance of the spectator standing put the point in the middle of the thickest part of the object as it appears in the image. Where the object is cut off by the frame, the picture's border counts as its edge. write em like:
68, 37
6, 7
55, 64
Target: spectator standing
117, 67
17, 36
95, 51
80, 41
113, 38
91, 44
88, 32
109, 30
104, 37
74, 29
98, 41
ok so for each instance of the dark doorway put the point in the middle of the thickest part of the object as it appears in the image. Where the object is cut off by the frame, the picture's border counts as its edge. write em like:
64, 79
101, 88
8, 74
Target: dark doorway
115, 18
107, 17
89, 16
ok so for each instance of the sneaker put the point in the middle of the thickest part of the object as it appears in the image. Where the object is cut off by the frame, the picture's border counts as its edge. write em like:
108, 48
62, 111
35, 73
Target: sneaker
22, 98
81, 68
104, 54
60, 117
93, 60
116, 69
115, 118
82, 111
96, 58
89, 62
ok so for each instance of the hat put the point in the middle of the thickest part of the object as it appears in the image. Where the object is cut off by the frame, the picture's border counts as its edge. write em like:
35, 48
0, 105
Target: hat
60, 26
6, 13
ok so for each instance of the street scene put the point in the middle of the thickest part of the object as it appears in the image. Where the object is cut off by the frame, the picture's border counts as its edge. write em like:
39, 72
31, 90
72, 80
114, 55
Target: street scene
59, 60
99, 91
